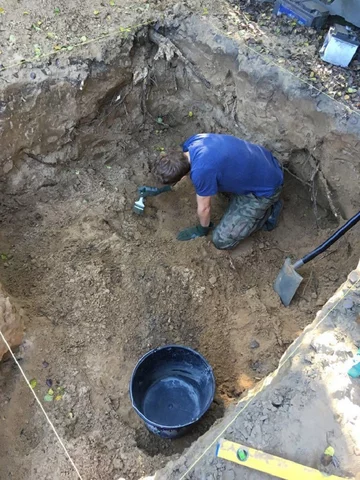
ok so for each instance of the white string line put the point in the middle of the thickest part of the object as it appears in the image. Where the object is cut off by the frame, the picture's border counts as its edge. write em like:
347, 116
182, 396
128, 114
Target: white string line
42, 408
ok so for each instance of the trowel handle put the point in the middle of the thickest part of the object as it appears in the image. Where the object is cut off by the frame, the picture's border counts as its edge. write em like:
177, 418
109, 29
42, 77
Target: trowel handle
334, 237
146, 191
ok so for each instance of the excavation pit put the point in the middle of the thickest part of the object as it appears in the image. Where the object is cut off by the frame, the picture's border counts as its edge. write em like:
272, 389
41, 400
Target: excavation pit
101, 286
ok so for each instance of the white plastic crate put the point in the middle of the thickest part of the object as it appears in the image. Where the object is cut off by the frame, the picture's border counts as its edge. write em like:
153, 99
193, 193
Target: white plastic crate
339, 47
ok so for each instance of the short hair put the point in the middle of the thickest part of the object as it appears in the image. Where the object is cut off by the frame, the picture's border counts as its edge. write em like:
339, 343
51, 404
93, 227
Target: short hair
171, 168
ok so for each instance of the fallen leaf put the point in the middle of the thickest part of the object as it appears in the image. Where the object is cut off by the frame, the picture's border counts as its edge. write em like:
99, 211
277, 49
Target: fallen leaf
190, 114
39, 22
112, 3
83, 38
205, 11
50, 391
57, 47
58, 397
70, 47
108, 166
351, 90
346, 97
50, 35
2, 11
70, 415
96, 12
159, 120
48, 398
329, 451
26, 13
77, 172
35, 27
56, 10
37, 50
3, 256
33, 383
312, 74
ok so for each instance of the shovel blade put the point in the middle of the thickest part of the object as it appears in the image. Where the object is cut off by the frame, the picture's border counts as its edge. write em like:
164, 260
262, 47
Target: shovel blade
287, 282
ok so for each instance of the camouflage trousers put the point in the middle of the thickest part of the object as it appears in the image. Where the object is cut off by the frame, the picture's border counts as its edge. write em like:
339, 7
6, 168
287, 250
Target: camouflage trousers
245, 215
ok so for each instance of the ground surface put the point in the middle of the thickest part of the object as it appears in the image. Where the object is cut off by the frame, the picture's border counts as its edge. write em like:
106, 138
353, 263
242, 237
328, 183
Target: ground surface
296, 49
308, 404
102, 286
36, 31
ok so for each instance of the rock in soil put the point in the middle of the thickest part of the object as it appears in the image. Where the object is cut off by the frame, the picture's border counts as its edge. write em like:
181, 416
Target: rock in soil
11, 323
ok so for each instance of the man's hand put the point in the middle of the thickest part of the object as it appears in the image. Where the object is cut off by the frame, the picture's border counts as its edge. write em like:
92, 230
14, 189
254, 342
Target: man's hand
145, 191
193, 232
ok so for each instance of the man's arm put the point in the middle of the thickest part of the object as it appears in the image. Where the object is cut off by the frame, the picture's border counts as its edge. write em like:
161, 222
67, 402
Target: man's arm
204, 210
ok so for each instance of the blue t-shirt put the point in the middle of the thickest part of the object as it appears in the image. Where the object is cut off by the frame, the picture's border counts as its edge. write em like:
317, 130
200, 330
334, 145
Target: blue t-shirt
223, 163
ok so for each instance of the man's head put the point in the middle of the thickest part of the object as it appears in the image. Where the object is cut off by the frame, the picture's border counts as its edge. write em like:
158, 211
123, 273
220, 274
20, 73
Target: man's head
171, 168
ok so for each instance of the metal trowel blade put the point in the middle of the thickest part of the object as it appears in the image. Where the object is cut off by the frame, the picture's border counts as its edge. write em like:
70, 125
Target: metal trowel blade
287, 282
139, 206
138, 210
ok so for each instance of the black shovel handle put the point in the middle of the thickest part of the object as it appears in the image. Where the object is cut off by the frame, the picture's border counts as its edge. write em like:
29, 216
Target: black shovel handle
334, 237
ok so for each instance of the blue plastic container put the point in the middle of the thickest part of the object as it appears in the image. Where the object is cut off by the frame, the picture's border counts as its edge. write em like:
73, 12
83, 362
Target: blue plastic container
308, 13
171, 388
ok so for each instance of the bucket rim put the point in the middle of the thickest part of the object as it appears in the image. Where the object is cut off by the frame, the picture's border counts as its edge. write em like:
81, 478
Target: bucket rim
204, 410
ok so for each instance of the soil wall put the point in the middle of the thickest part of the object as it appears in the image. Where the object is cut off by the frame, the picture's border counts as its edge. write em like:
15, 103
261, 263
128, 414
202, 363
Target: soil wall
307, 404
101, 286
44, 107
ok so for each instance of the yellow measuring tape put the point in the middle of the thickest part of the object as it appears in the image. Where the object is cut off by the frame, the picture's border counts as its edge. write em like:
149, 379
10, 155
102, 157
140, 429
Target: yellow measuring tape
266, 463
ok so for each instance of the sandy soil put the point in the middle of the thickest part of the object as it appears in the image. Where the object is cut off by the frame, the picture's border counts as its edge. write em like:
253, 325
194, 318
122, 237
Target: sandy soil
32, 30
101, 286
309, 403
37, 30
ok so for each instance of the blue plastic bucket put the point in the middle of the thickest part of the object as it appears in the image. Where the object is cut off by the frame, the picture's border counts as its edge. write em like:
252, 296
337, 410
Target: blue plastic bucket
171, 388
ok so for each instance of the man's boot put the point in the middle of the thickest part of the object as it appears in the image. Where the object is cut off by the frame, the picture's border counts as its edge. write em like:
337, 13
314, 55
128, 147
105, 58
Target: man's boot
273, 220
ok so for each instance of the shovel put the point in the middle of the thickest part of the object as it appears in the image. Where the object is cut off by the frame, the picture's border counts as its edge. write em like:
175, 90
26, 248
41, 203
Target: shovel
288, 280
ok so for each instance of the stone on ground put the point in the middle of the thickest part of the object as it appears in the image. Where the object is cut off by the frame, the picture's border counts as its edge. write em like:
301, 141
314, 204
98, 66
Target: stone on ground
11, 323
